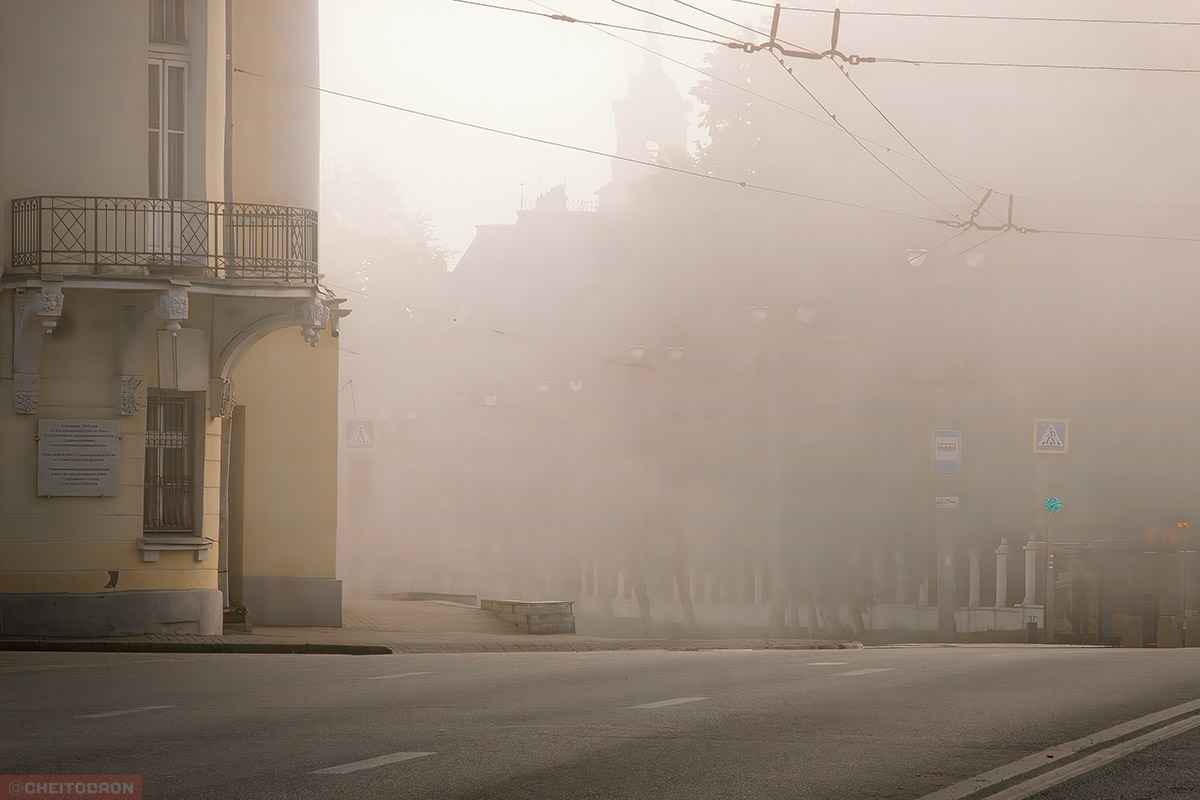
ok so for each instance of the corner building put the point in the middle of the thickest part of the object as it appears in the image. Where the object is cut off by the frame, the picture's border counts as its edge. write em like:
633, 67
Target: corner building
168, 378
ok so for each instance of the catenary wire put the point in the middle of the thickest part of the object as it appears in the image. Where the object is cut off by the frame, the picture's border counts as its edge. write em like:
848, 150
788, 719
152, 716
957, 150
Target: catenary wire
740, 25
826, 122
566, 18
672, 19
851, 134
974, 16
1013, 65
908, 141
589, 151
819, 120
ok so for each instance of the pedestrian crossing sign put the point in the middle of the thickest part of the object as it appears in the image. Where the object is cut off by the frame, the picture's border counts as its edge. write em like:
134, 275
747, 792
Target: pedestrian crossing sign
1050, 436
360, 433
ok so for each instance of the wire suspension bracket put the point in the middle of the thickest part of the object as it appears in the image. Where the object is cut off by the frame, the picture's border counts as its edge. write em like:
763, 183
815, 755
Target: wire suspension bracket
774, 45
974, 223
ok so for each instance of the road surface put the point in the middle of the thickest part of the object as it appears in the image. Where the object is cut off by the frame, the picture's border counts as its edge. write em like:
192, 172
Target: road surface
903, 722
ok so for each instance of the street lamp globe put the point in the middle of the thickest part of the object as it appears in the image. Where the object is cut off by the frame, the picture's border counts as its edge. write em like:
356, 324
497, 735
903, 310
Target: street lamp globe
758, 313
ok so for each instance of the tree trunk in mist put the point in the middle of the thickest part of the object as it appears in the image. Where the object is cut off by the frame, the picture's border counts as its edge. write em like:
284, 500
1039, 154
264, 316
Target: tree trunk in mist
639, 591
793, 615
856, 620
604, 593
683, 581
814, 626
832, 621
777, 603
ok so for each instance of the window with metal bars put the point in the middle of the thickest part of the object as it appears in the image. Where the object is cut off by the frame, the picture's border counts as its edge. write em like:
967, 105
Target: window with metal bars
169, 501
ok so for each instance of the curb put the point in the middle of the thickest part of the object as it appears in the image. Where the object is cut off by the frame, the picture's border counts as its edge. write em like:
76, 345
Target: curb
407, 648
815, 646
86, 646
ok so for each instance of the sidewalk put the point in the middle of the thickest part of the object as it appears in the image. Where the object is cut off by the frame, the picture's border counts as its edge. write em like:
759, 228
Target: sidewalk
381, 627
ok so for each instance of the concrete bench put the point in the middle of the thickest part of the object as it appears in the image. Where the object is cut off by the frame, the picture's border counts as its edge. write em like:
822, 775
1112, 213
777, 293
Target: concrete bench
550, 616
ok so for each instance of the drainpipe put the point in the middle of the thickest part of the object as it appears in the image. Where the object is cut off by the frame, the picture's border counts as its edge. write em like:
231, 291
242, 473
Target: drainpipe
228, 102
226, 422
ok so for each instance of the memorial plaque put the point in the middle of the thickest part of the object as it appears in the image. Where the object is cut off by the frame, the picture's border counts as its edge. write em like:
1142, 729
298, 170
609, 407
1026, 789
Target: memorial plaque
79, 457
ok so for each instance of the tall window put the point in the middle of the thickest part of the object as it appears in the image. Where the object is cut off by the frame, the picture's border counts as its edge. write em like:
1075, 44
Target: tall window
169, 499
166, 142
168, 21
167, 79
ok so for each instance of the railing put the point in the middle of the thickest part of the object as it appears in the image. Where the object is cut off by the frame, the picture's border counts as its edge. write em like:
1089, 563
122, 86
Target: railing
145, 236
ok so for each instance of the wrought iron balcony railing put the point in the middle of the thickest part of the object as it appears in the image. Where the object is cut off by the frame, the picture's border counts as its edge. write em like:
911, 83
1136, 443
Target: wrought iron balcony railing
146, 236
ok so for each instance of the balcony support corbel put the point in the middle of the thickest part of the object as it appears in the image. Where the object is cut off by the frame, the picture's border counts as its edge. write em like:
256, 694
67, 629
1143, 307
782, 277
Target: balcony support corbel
45, 304
171, 305
312, 316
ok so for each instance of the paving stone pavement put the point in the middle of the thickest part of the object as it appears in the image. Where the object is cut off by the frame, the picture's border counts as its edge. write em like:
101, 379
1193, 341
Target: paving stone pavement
399, 626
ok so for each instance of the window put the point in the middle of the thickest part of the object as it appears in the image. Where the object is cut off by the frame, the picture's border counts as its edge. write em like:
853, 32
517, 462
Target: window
167, 90
168, 21
169, 499
166, 144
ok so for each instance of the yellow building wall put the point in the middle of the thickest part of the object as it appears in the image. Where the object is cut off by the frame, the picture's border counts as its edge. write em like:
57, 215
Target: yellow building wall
277, 122
289, 390
74, 113
68, 544
73, 100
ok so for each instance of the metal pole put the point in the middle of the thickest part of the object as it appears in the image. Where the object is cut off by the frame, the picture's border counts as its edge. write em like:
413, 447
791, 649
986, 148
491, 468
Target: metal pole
1049, 589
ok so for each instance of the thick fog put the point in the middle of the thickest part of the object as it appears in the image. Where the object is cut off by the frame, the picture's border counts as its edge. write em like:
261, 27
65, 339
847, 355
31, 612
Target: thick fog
703, 393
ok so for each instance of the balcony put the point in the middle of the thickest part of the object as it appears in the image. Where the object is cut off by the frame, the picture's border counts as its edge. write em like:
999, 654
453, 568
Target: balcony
177, 238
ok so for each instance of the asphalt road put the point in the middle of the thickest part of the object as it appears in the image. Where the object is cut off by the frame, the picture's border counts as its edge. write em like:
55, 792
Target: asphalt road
901, 722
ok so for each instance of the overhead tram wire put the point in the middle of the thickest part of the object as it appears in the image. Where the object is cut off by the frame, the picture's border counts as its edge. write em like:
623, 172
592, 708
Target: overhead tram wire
819, 120
857, 141
566, 18
818, 102
1094, 67
589, 151
738, 24
1118, 235
908, 141
1084, 20
676, 21
846, 73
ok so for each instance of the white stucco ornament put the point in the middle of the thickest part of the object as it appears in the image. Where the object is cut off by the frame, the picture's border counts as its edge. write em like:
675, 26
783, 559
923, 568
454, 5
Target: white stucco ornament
172, 306
26, 389
312, 316
131, 394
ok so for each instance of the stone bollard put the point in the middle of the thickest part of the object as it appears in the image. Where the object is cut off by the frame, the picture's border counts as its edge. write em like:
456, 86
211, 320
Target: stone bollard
1002, 574
1191, 631
1031, 554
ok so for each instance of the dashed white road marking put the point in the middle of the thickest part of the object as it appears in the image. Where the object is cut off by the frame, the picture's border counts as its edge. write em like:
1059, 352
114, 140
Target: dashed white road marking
378, 761
672, 702
826, 663
397, 675
865, 671
122, 711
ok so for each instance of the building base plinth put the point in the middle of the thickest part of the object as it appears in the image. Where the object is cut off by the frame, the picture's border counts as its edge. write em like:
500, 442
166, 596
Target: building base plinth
303, 602
196, 611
